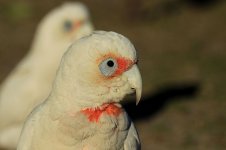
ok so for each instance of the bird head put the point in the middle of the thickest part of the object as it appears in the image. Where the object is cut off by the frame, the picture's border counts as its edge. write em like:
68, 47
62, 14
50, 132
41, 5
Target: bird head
63, 25
98, 69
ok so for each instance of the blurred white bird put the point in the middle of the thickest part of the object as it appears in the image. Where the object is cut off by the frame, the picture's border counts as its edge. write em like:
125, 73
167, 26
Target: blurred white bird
31, 81
82, 111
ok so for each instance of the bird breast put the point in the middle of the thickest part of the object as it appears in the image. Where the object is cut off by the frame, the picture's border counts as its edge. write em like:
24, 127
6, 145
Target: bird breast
111, 126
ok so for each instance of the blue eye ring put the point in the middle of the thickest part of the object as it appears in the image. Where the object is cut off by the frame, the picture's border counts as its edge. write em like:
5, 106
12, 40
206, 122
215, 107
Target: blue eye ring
108, 67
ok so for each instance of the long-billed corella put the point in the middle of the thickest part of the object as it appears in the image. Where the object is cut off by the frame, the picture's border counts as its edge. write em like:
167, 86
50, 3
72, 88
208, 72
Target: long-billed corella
83, 110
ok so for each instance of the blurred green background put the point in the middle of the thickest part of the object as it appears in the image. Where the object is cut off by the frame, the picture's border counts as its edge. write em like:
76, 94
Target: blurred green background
182, 57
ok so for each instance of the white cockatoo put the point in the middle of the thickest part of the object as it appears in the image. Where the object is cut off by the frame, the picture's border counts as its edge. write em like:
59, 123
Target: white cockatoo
82, 111
31, 81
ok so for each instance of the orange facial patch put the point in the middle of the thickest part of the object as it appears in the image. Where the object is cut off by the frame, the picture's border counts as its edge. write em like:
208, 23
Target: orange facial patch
77, 24
93, 114
122, 62
123, 65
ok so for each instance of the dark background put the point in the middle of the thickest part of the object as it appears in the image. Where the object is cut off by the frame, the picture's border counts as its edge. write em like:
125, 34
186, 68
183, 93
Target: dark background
182, 58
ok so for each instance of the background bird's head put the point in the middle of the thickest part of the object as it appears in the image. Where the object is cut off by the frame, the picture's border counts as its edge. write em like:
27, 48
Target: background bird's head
98, 69
63, 25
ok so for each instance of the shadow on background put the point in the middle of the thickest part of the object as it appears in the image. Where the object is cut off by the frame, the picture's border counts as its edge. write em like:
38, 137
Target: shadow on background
202, 3
165, 9
154, 103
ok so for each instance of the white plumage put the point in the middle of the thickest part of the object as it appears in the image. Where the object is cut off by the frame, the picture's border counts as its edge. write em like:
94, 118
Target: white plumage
31, 81
82, 111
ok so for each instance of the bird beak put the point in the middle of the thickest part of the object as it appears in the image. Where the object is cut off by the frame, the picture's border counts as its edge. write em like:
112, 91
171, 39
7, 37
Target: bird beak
135, 81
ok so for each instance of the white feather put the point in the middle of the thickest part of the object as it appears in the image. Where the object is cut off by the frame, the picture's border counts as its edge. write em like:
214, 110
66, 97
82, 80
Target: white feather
60, 124
31, 81
132, 141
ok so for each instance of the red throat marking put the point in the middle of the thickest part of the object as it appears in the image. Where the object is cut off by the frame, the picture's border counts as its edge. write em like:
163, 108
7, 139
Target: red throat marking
94, 114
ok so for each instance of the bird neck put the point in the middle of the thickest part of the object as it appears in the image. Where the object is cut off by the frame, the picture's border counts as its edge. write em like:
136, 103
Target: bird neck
93, 114
67, 98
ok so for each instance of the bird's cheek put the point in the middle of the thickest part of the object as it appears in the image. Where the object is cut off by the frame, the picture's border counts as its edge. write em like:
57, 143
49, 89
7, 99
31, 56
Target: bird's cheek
103, 91
115, 89
117, 83
127, 89
117, 93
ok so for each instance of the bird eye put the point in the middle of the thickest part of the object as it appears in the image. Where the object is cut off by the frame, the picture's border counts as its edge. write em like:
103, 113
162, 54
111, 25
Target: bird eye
108, 67
67, 25
110, 63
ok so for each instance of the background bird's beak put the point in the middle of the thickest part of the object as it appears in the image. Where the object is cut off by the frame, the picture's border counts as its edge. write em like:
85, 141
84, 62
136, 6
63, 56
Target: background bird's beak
134, 78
